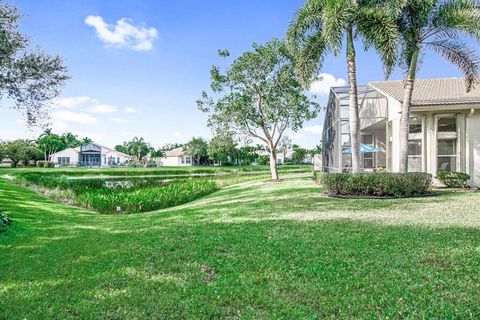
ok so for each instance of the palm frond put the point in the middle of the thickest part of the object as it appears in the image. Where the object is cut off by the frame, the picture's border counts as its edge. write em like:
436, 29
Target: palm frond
454, 16
378, 28
460, 55
337, 17
309, 60
307, 19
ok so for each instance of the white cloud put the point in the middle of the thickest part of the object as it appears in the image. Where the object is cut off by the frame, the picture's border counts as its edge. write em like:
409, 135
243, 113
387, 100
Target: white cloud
314, 129
62, 118
178, 135
130, 110
123, 33
73, 102
102, 108
325, 82
118, 120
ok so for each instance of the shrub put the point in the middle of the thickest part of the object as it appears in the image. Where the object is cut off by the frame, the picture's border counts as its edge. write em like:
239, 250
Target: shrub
40, 163
376, 184
453, 179
263, 160
5, 221
151, 164
45, 164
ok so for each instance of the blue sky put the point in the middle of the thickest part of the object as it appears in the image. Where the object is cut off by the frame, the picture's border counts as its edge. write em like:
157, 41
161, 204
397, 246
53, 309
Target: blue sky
146, 86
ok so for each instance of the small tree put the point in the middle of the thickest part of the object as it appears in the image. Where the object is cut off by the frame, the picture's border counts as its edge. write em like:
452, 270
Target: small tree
222, 148
285, 145
259, 96
246, 155
30, 79
18, 150
50, 143
197, 148
155, 154
299, 154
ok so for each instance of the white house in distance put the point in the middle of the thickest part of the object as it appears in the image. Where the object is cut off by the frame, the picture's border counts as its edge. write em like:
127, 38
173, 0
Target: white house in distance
175, 158
444, 128
89, 155
283, 157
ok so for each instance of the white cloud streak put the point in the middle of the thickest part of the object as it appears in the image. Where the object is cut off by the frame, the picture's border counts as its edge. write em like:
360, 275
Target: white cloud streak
130, 110
102, 108
123, 33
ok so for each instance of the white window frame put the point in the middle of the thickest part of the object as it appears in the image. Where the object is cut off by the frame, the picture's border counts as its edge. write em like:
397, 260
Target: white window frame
419, 136
373, 158
447, 136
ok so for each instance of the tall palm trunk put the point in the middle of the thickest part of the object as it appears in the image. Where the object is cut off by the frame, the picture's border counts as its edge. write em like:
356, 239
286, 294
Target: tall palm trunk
405, 112
353, 102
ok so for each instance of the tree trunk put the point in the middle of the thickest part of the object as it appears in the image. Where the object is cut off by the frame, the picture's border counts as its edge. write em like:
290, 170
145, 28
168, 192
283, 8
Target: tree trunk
353, 102
405, 112
273, 164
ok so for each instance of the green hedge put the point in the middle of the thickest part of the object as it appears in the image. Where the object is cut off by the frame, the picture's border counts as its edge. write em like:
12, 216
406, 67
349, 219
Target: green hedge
376, 184
453, 179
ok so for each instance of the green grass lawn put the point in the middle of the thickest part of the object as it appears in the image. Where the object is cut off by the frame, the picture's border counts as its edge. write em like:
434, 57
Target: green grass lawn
252, 250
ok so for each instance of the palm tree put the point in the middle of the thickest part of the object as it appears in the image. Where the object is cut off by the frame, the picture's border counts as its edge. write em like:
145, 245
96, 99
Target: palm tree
320, 27
435, 25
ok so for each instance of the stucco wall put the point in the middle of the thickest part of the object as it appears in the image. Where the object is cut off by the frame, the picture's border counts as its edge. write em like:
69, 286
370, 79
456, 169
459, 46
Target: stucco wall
71, 153
115, 155
174, 162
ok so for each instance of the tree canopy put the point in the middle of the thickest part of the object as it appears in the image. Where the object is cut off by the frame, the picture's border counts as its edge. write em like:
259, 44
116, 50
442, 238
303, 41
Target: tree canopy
18, 150
258, 96
222, 148
197, 148
29, 78
137, 147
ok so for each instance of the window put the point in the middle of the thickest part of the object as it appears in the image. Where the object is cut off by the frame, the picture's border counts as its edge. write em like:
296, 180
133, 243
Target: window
186, 160
447, 124
368, 157
447, 155
415, 125
63, 160
414, 155
344, 112
447, 143
345, 131
415, 144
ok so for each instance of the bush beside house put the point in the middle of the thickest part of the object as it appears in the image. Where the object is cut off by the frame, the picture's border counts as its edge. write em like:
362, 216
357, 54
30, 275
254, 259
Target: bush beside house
376, 184
453, 179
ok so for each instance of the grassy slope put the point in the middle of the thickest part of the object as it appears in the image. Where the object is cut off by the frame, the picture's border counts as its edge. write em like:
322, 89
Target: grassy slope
250, 251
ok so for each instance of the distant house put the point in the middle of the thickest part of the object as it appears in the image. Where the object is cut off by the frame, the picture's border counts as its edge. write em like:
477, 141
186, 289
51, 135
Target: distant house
175, 158
285, 157
444, 128
89, 155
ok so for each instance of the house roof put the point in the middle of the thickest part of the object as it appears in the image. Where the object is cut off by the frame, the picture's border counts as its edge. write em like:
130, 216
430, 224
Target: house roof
441, 91
177, 152
108, 150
